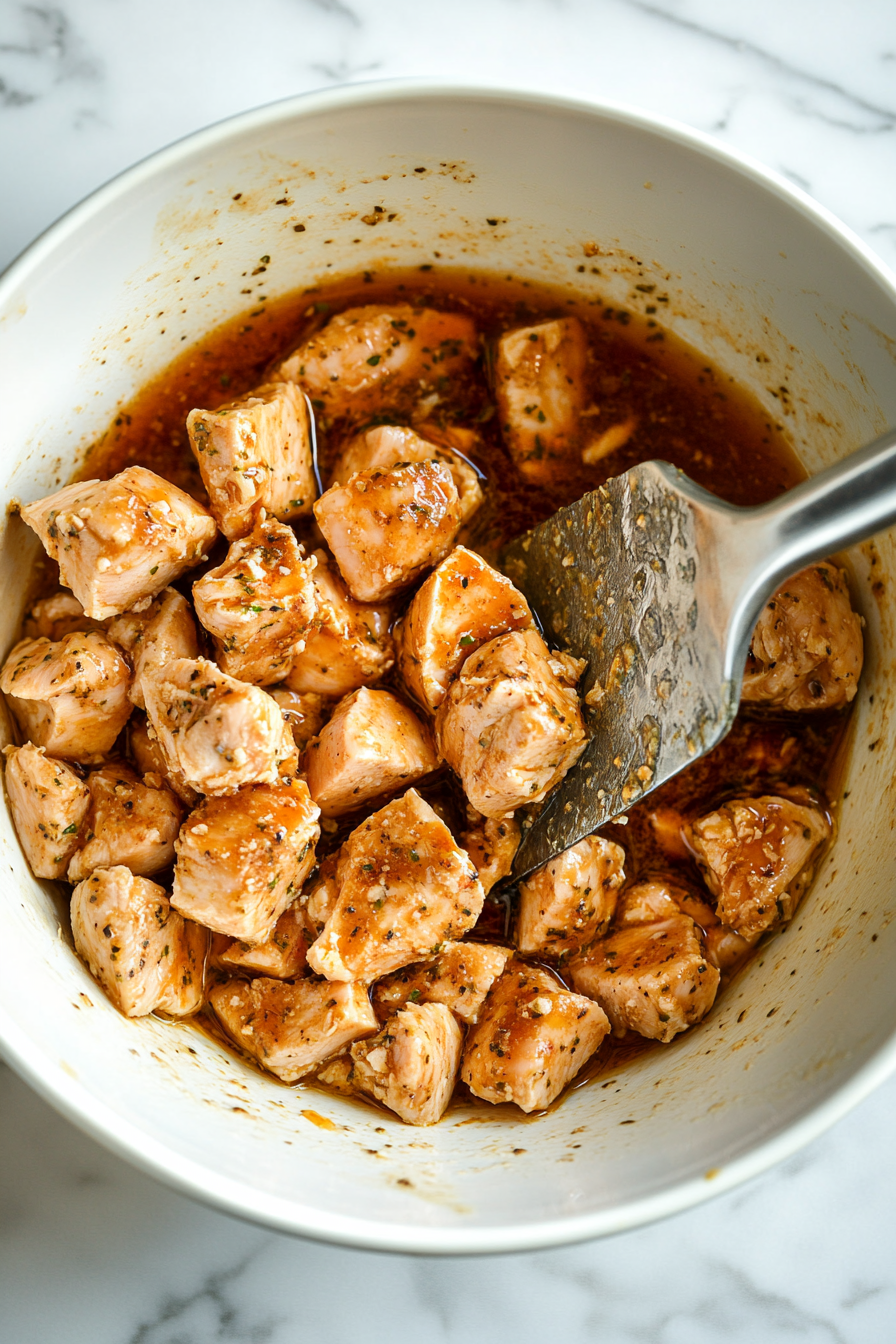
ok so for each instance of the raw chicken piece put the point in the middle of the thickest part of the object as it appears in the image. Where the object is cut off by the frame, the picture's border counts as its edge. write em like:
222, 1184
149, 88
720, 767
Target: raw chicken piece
255, 453
352, 647
318, 900
152, 638
69, 696
145, 956
411, 1065
459, 977
385, 528
462, 605
405, 888
492, 843
807, 650
541, 394
290, 1028
305, 714
151, 765
652, 900
387, 446
53, 617
282, 956
120, 542
219, 733
367, 359
510, 724
532, 1037
758, 856
568, 903
49, 803
371, 746
652, 975
128, 824
242, 860
259, 604
668, 826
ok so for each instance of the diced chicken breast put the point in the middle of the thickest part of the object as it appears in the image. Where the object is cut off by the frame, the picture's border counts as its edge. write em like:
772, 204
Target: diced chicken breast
758, 856
510, 725
219, 733
567, 904
69, 696
459, 977
462, 605
405, 888
254, 454
370, 358
144, 750
152, 638
651, 901
351, 645
387, 446
289, 1028
145, 956
304, 714
55, 616
386, 528
411, 1066
120, 542
128, 824
282, 956
667, 826
541, 394
651, 976
49, 803
806, 651
492, 843
241, 860
317, 900
532, 1038
259, 604
371, 746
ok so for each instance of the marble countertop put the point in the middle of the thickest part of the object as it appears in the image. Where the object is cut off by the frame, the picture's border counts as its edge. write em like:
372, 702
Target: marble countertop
91, 1252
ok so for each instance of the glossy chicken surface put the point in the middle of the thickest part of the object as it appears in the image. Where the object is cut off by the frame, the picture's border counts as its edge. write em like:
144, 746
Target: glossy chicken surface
569, 902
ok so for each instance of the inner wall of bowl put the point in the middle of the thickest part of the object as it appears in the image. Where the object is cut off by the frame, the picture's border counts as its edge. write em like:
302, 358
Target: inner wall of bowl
755, 284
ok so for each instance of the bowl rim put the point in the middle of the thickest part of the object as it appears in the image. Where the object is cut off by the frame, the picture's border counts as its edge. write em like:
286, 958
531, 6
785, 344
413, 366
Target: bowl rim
73, 1100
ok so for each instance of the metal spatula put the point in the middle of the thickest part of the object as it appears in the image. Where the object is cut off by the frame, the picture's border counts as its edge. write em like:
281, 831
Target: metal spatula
658, 585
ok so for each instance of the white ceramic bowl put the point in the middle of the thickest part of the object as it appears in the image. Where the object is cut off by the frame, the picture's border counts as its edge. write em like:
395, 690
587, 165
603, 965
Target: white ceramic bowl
778, 294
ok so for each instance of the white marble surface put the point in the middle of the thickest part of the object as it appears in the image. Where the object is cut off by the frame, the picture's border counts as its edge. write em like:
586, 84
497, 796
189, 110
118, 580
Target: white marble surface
90, 1251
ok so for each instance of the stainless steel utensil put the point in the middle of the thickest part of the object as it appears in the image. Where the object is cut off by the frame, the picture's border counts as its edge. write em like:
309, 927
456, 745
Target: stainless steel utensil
659, 584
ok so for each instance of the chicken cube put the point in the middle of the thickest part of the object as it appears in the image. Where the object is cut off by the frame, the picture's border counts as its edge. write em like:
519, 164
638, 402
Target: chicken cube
152, 638
411, 1065
569, 902
492, 843
532, 1038
317, 899
651, 901
541, 394
366, 359
241, 860
129, 824
386, 528
405, 888
259, 604
49, 803
142, 952
219, 733
256, 453
758, 856
69, 696
351, 645
461, 606
510, 725
387, 446
120, 542
289, 1028
282, 956
55, 616
806, 651
652, 975
146, 754
459, 977
371, 746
